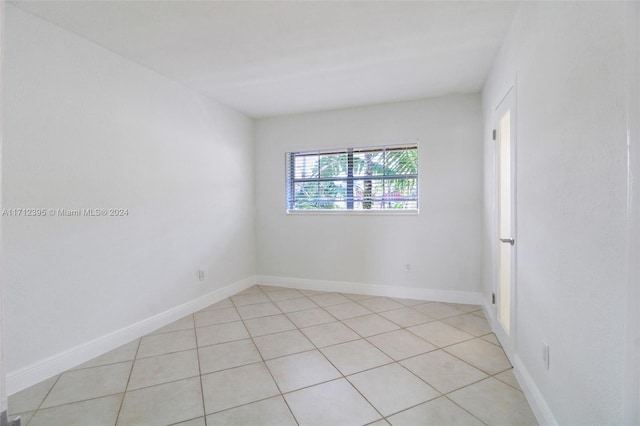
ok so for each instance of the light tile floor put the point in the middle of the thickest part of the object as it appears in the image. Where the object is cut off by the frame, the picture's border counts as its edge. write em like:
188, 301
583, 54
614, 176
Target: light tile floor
273, 356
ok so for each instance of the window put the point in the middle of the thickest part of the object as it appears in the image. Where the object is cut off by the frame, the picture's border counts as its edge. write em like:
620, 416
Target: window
362, 179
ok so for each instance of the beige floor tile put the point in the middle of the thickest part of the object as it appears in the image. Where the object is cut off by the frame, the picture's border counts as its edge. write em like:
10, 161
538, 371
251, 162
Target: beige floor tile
328, 299
438, 310
227, 355
159, 344
311, 317
80, 385
281, 344
284, 294
509, 378
221, 333
495, 403
329, 334
370, 325
295, 305
225, 303
298, 371
238, 386
437, 412
381, 422
185, 323
444, 372
164, 368
406, 317
163, 404
270, 288
268, 412
249, 299
268, 325
357, 297
392, 388
356, 356
491, 338
217, 316
465, 307
380, 304
194, 422
258, 310
407, 302
482, 355
123, 353
96, 412
391, 366
401, 344
469, 323
439, 333
347, 310
479, 313
334, 403
254, 289
311, 292
30, 398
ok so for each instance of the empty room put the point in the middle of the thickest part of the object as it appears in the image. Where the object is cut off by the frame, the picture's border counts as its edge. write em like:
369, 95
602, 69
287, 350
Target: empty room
319, 213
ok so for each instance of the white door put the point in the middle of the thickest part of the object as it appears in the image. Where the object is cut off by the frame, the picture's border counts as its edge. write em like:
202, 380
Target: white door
506, 212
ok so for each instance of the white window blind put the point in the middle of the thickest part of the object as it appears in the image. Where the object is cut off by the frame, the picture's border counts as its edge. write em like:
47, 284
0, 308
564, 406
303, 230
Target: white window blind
371, 178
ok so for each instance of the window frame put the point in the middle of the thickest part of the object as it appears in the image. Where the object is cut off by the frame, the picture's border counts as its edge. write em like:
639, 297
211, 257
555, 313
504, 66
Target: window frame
291, 181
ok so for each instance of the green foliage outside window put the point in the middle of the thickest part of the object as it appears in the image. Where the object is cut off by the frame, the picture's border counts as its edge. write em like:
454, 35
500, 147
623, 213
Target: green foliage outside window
353, 179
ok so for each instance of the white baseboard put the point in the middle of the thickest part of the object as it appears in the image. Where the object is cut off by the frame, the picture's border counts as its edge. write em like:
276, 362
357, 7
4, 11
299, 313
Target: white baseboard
537, 402
535, 399
449, 296
42, 370
488, 311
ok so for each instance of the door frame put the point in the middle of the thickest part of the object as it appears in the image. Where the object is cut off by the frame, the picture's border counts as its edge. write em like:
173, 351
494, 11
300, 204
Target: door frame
3, 390
508, 341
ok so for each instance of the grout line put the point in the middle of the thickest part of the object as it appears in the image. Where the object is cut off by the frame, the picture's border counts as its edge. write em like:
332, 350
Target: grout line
318, 349
163, 383
78, 402
425, 381
494, 376
249, 403
365, 398
45, 397
472, 365
135, 356
470, 413
267, 367
188, 420
204, 409
343, 377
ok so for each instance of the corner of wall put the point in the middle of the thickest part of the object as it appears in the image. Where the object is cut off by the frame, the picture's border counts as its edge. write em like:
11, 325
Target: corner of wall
447, 296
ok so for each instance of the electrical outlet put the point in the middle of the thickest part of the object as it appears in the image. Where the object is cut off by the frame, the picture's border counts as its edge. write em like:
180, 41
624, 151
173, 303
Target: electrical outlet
545, 355
201, 275
407, 267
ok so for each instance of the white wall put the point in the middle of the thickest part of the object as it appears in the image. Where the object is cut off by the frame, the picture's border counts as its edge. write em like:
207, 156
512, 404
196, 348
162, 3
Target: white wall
442, 243
569, 61
85, 128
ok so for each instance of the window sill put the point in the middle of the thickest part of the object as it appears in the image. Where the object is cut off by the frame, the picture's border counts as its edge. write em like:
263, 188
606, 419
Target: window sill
404, 212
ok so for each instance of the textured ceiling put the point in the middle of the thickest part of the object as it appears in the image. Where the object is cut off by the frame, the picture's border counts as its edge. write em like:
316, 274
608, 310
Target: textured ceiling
268, 58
